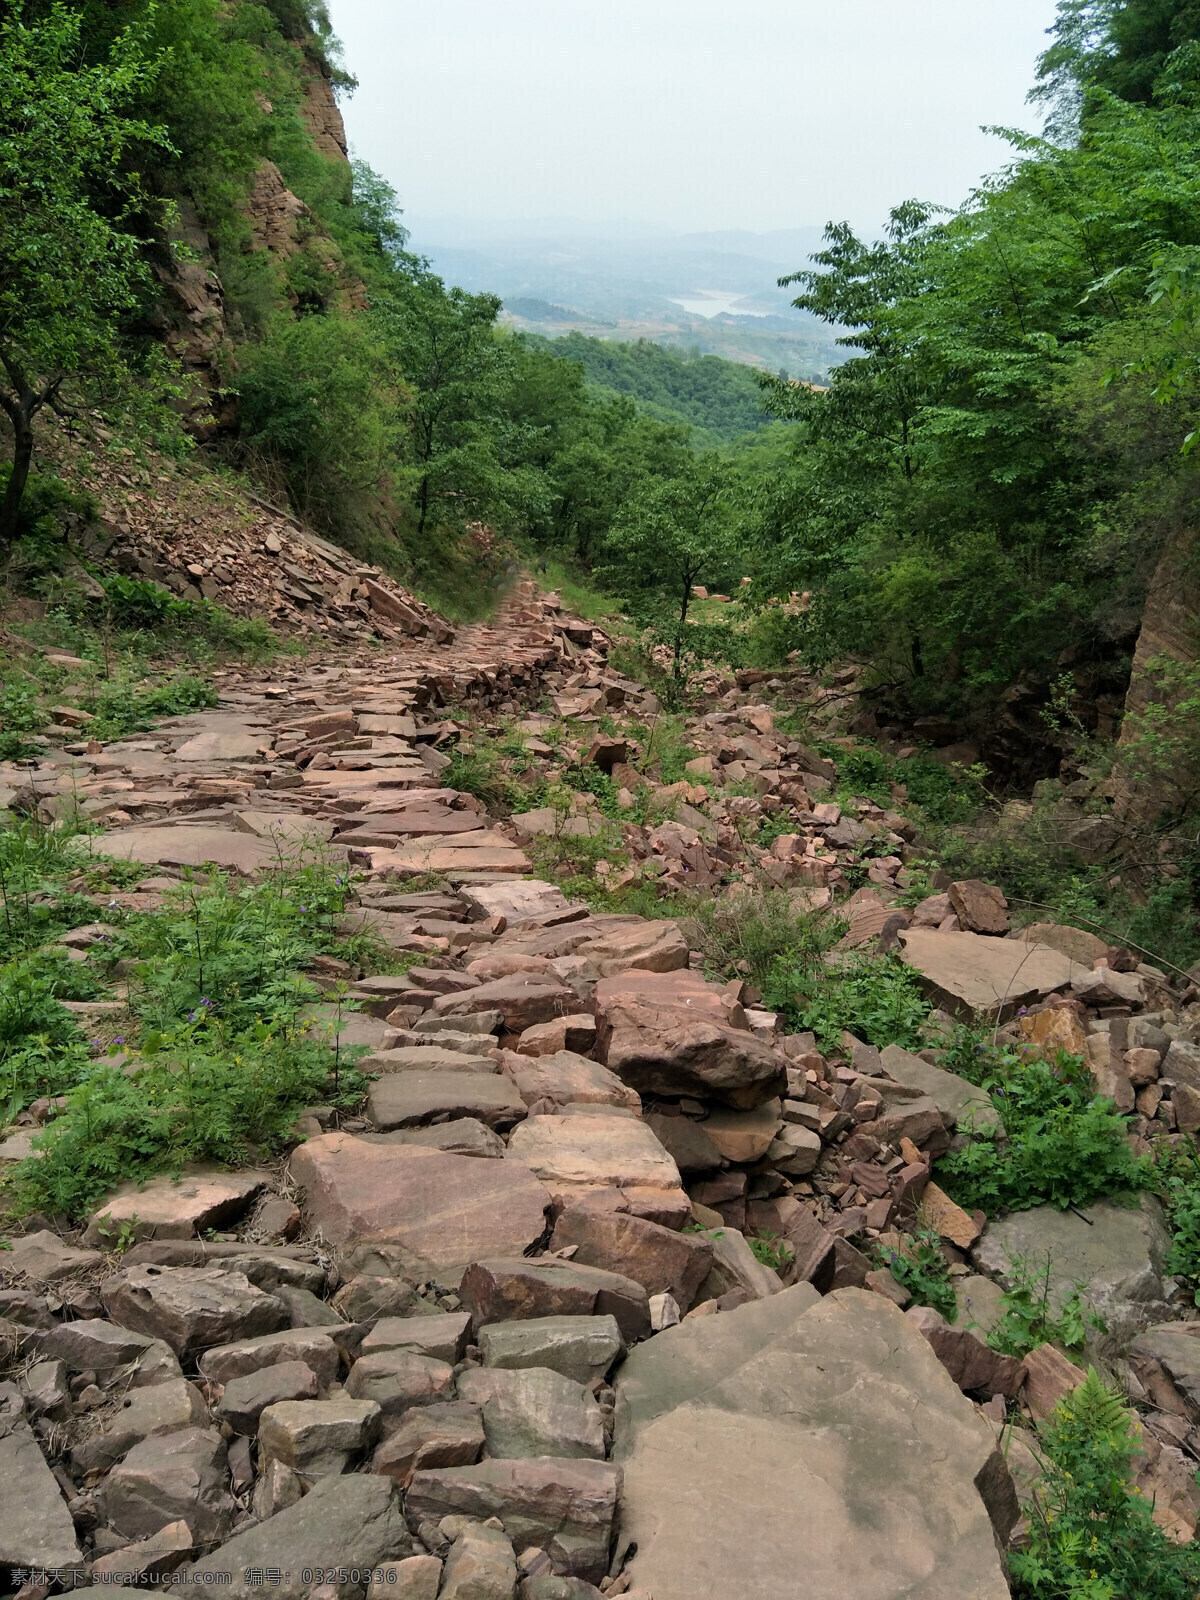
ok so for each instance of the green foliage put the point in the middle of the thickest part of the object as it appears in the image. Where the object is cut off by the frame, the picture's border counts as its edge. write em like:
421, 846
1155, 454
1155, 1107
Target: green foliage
121, 708
876, 998
204, 1095
1030, 1319
21, 719
754, 934
771, 1251
69, 201
720, 399
1061, 1145
922, 1269
34, 906
675, 536
1091, 1534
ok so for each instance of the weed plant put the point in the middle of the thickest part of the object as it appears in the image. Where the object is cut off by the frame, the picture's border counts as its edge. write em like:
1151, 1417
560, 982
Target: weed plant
1091, 1533
1030, 1319
1060, 1144
922, 1269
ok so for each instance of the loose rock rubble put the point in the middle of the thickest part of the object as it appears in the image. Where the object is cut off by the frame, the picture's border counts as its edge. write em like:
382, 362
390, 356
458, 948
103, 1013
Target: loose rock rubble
504, 1338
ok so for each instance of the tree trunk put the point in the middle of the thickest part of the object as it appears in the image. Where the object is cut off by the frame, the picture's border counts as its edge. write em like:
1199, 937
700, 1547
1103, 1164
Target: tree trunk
423, 502
22, 458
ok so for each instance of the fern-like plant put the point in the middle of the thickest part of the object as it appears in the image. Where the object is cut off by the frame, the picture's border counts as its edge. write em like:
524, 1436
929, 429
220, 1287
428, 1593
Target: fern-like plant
1091, 1534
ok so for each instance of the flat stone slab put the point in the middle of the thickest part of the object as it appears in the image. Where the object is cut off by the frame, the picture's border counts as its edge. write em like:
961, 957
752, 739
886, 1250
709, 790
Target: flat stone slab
416, 860
436, 1211
969, 1106
411, 1099
187, 845
529, 901
1117, 1253
36, 1529
594, 1151
565, 1078
234, 743
394, 824
174, 1208
881, 1472
343, 1028
970, 974
292, 826
428, 1058
583, 1348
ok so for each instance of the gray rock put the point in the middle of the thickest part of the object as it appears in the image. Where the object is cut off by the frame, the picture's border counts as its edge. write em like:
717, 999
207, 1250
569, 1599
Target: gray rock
1116, 1252
409, 1099
445, 1435
398, 1379
276, 1488
480, 1566
1177, 1347
549, 1587
686, 1142
161, 1408
886, 1480
94, 1345
36, 1529
317, 1437
479, 1023
305, 1309
173, 1477
954, 1096
682, 1363
565, 1507
245, 1399
415, 1579
735, 1266
506, 1288
192, 1308
45, 1387
980, 1304
582, 1348
44, 1258
352, 1521
313, 1346
534, 1412
366, 1299
443, 1337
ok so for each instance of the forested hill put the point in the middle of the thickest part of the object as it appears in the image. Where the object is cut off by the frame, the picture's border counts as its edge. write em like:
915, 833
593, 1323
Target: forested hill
720, 399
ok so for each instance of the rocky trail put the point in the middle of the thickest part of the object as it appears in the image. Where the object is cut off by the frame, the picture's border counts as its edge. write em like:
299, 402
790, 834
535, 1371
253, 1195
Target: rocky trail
503, 1333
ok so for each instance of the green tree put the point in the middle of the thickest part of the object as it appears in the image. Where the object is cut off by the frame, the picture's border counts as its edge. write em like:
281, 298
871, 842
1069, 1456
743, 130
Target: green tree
443, 342
674, 536
70, 268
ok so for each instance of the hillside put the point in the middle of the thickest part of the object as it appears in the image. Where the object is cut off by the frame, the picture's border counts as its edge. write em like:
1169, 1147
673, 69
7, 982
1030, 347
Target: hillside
720, 399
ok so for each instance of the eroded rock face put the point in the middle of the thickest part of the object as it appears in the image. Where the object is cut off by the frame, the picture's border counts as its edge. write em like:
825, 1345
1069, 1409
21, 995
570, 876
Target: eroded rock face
822, 1412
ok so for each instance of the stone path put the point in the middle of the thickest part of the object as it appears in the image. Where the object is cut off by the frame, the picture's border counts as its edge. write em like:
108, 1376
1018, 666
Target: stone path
504, 1335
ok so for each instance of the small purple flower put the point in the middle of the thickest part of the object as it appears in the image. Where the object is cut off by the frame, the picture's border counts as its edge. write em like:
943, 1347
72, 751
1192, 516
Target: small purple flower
120, 1039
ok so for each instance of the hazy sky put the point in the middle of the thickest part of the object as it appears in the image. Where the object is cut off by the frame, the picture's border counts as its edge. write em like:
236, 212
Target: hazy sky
685, 114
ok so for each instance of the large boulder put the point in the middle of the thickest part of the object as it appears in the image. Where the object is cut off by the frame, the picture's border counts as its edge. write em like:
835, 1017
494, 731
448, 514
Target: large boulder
522, 999
883, 1479
971, 975
410, 1099
192, 1308
661, 1260
534, 1411
669, 1034
1116, 1252
174, 1208
563, 1078
353, 1522
172, 1477
429, 1212
572, 1154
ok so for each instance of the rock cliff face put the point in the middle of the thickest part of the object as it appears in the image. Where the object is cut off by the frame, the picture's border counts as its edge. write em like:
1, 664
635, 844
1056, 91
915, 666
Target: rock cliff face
1171, 630
320, 112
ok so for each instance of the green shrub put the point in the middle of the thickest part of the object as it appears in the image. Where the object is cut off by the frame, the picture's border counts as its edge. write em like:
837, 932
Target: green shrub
21, 720
754, 935
34, 906
204, 1095
1091, 1534
876, 998
121, 708
771, 1251
1061, 1146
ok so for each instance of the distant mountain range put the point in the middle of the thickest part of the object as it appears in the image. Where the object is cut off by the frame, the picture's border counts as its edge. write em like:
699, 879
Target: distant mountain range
623, 283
